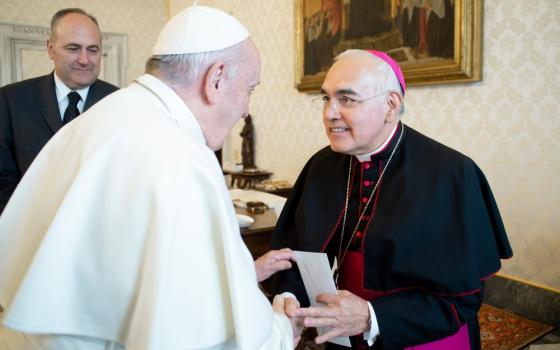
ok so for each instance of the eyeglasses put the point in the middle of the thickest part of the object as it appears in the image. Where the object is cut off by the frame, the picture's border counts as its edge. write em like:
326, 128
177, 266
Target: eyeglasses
342, 101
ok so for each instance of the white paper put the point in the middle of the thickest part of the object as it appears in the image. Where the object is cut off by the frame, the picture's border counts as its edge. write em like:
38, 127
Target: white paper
271, 200
317, 278
244, 220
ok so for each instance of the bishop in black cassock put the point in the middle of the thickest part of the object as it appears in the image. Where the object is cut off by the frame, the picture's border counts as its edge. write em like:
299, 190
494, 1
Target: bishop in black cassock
412, 224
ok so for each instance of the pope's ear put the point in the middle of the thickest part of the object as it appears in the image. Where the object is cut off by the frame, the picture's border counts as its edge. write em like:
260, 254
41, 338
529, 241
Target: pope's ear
214, 82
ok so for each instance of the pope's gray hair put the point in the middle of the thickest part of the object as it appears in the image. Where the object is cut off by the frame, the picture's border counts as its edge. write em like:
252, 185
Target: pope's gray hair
383, 78
183, 69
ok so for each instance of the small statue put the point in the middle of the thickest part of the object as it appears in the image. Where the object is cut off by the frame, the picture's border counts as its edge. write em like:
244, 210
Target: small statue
248, 145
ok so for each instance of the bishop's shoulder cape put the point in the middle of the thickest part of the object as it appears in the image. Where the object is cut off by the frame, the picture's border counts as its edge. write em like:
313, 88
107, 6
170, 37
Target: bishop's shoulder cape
436, 225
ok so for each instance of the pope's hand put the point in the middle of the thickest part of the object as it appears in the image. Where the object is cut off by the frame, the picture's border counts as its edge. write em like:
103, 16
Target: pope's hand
345, 314
288, 306
272, 262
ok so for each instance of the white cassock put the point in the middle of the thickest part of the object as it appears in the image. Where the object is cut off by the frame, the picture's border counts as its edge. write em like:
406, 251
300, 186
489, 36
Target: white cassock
122, 230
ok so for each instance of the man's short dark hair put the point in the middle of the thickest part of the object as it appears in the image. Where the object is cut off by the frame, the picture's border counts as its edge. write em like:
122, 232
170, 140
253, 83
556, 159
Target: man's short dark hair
61, 13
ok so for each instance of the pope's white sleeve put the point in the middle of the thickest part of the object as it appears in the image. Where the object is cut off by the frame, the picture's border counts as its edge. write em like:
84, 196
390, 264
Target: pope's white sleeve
281, 335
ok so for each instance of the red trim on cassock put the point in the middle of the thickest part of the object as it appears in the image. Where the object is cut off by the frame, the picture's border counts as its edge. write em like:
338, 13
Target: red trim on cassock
361, 196
456, 314
489, 276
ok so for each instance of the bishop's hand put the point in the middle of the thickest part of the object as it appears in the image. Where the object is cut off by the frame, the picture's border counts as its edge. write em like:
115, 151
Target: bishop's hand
345, 314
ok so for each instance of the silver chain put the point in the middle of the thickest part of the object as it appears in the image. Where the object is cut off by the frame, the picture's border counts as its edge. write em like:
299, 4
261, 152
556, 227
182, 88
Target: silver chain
341, 258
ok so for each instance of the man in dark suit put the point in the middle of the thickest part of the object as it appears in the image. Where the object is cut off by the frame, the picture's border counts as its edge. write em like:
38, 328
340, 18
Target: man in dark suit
33, 110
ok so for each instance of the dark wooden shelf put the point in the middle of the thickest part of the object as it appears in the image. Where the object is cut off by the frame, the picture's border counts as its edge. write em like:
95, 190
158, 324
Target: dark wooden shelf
257, 235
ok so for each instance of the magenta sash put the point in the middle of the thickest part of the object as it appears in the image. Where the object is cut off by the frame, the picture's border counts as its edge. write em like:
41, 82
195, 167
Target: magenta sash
351, 278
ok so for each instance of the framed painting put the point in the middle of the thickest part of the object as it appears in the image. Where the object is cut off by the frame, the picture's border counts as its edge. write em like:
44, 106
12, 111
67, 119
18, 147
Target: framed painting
434, 41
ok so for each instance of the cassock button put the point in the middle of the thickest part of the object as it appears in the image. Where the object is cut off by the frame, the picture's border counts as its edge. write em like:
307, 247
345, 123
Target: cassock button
366, 165
359, 234
367, 183
364, 199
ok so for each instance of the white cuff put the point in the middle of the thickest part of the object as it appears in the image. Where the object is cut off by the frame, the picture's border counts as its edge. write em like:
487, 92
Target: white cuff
369, 336
287, 295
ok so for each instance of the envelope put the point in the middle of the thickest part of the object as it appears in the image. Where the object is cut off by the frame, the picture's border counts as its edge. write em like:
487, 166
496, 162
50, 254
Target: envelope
317, 278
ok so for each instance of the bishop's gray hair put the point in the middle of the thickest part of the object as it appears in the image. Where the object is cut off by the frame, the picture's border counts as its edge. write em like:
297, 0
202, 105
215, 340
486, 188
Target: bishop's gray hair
384, 77
182, 70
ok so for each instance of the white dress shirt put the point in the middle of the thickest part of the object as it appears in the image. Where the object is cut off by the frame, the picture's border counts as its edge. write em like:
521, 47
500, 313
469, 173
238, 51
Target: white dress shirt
62, 92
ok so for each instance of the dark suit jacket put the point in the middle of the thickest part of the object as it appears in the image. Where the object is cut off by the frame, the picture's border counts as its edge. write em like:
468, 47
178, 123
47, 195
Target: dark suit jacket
29, 117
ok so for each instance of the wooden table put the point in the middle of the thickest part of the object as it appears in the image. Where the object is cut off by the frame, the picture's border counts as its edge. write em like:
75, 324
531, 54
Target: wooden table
257, 235
282, 192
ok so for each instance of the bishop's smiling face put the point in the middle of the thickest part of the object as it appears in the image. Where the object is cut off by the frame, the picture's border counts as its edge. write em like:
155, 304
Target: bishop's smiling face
354, 113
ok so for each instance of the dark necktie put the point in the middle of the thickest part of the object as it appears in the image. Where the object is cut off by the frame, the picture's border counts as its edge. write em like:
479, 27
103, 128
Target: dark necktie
72, 109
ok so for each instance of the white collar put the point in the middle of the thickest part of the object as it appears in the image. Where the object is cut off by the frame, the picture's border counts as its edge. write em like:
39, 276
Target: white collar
62, 90
367, 157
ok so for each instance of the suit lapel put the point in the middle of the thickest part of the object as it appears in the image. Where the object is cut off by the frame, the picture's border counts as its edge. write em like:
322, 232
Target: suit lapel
93, 95
45, 98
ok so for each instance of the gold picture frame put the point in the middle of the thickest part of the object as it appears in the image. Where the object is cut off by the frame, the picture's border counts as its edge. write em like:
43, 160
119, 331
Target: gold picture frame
438, 59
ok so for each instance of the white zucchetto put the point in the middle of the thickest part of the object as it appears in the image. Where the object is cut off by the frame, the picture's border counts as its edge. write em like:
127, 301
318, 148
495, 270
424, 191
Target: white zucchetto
199, 29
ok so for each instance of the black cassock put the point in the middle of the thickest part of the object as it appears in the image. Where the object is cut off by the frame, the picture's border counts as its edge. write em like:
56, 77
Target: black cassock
431, 236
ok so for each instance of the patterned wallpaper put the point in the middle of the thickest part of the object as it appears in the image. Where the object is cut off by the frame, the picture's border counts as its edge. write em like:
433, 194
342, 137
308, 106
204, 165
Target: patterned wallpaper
141, 20
507, 123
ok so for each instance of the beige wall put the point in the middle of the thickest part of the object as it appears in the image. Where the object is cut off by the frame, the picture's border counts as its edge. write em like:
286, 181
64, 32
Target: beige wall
508, 123
141, 20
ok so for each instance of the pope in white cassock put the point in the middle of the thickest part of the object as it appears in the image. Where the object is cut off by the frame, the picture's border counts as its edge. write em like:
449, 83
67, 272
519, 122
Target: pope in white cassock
122, 235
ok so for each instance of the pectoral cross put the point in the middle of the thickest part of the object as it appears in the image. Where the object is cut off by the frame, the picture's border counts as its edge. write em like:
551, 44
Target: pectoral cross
335, 271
